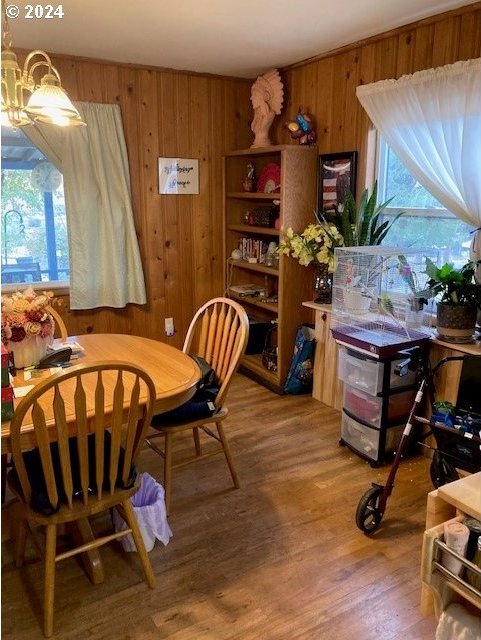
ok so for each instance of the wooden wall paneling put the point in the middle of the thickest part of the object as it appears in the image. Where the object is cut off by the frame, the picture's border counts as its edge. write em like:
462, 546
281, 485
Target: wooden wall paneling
321, 103
470, 40
445, 42
170, 206
338, 102
145, 127
127, 93
218, 143
91, 82
185, 210
111, 82
239, 132
386, 58
405, 52
423, 48
352, 107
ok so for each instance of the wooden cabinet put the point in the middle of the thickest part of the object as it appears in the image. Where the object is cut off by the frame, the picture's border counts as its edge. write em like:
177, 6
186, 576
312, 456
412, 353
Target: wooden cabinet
286, 284
441, 587
326, 385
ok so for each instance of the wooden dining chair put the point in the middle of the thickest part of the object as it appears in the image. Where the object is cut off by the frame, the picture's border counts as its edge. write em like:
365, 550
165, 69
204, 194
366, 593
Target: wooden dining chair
218, 333
89, 423
59, 323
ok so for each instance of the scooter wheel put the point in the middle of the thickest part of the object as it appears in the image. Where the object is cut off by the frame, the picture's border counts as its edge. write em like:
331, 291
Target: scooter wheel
368, 515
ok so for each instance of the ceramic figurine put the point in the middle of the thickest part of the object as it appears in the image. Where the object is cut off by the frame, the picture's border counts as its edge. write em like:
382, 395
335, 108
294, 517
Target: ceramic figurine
249, 180
267, 96
302, 128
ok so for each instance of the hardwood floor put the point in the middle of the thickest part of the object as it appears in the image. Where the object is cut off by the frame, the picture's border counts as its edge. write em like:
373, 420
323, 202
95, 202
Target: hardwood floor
279, 559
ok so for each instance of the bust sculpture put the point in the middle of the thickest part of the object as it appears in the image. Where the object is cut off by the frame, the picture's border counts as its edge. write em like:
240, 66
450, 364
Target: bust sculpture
267, 96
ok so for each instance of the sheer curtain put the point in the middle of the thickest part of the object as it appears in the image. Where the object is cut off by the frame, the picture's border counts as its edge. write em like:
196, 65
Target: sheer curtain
106, 269
432, 121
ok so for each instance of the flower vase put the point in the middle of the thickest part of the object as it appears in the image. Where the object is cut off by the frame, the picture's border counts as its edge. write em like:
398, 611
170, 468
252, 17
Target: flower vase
28, 351
323, 284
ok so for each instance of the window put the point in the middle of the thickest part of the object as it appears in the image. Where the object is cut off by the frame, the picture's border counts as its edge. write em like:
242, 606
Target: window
426, 224
34, 245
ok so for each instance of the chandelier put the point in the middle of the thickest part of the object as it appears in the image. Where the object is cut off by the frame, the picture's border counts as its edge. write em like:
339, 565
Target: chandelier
24, 100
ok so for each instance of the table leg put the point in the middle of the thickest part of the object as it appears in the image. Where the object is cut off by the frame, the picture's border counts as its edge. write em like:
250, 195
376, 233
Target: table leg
92, 563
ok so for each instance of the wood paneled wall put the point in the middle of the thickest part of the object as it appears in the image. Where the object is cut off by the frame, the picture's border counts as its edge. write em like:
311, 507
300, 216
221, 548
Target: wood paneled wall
327, 86
187, 115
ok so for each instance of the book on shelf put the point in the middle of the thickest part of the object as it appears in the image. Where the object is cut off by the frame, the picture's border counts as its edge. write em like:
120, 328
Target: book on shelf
247, 290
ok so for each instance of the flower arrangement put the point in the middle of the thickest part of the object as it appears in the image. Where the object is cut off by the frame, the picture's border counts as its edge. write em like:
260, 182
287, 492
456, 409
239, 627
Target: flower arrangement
315, 244
24, 315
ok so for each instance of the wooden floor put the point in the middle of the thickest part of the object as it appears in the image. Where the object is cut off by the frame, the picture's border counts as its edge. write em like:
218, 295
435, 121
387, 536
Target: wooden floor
279, 559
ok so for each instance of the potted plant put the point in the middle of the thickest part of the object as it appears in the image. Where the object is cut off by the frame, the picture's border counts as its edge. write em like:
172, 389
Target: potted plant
459, 298
363, 226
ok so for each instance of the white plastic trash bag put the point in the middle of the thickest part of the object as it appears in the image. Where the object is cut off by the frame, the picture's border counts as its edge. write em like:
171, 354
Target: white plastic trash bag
149, 509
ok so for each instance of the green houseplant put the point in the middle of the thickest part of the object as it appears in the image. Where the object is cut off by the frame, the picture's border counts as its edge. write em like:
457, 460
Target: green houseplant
364, 225
459, 298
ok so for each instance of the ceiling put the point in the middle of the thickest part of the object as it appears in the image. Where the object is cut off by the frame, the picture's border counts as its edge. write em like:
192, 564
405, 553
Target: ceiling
241, 38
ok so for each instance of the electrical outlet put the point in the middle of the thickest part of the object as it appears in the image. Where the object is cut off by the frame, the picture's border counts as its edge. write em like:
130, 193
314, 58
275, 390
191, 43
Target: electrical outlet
169, 327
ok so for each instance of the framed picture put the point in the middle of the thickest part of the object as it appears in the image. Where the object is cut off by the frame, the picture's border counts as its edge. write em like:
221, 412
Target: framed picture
178, 176
337, 176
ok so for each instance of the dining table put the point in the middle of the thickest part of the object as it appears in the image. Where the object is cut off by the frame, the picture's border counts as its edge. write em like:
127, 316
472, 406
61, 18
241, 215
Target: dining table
173, 372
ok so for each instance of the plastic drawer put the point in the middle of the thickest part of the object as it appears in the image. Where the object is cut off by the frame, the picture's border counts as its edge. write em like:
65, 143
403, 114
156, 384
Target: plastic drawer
366, 440
362, 405
368, 408
366, 374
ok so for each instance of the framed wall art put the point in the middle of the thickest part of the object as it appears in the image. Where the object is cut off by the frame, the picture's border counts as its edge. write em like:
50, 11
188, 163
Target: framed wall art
337, 176
178, 176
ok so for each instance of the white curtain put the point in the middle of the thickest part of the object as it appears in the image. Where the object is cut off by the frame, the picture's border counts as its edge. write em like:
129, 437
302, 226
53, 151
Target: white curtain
432, 121
106, 269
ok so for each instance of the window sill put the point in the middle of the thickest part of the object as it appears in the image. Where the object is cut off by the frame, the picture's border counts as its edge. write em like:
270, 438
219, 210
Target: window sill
59, 288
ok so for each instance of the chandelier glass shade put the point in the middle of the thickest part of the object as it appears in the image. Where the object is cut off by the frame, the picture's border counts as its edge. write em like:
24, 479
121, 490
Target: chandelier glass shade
24, 100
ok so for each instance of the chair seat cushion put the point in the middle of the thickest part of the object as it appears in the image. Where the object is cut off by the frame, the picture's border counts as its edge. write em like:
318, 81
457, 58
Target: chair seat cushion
202, 403
39, 500
194, 409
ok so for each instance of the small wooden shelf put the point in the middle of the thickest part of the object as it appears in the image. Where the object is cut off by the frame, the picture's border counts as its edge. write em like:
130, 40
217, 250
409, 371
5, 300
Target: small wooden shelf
253, 195
272, 307
250, 228
254, 266
254, 364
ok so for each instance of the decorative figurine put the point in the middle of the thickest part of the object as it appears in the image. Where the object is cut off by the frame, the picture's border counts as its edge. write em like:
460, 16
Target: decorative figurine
249, 180
302, 128
267, 96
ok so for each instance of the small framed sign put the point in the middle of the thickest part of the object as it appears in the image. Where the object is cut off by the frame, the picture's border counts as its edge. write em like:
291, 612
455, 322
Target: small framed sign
337, 175
178, 176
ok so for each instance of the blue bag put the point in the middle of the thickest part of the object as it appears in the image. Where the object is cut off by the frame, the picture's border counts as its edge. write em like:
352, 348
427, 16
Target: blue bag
299, 378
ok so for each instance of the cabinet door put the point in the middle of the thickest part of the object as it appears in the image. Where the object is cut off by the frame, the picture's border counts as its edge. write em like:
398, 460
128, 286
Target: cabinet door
326, 386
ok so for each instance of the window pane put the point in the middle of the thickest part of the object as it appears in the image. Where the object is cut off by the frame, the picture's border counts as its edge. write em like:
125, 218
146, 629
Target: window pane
426, 224
34, 226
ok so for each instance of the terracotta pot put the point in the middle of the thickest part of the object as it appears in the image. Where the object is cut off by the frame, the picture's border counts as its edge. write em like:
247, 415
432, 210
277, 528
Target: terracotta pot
455, 323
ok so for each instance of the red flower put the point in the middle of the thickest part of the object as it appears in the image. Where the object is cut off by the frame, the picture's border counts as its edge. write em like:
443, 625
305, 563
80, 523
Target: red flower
18, 334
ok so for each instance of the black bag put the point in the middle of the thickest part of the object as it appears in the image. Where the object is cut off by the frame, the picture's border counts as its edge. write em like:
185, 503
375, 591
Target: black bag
270, 351
202, 403
299, 378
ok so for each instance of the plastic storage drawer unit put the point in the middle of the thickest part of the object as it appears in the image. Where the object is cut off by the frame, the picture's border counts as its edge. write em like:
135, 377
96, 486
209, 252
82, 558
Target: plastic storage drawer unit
359, 371
368, 408
367, 440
